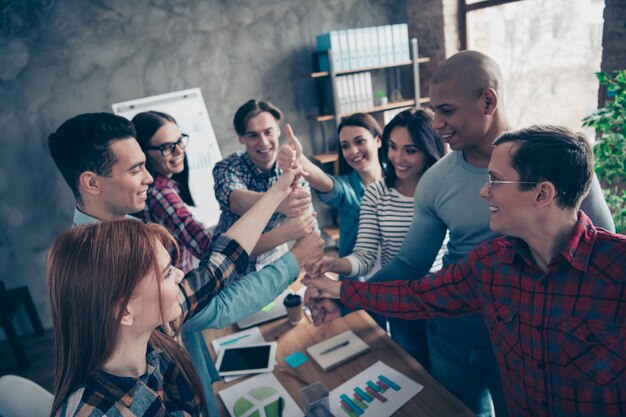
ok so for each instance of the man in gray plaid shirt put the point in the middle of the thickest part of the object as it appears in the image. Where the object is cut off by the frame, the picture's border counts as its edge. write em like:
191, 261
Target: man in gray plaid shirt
242, 177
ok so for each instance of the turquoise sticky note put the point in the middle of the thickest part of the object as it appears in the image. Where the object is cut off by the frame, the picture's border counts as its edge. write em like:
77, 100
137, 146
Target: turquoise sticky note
296, 359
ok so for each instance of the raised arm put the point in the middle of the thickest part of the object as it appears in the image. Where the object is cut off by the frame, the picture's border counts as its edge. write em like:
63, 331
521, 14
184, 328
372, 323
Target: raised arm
249, 227
448, 292
291, 154
299, 201
291, 229
422, 242
363, 258
233, 195
229, 253
369, 237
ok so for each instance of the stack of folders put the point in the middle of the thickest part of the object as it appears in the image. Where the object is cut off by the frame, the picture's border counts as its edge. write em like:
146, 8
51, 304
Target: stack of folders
354, 92
364, 47
337, 350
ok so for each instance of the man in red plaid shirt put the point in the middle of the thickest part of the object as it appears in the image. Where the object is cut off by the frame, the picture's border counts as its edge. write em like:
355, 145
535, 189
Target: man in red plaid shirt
551, 291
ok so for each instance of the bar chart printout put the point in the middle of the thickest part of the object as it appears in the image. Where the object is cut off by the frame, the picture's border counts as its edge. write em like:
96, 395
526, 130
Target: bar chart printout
378, 391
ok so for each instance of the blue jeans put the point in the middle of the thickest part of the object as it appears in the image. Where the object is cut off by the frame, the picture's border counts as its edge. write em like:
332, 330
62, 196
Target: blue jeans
467, 369
411, 335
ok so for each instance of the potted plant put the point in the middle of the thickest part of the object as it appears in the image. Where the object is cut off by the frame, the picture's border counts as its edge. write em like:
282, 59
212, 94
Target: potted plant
610, 149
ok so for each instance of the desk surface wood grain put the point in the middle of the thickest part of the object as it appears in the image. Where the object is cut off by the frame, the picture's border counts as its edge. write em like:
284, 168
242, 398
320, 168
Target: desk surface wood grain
433, 400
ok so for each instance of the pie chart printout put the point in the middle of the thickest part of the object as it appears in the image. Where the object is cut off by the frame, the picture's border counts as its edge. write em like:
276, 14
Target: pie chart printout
259, 396
260, 402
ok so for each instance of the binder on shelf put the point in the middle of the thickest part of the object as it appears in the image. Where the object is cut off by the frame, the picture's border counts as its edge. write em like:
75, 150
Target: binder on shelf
345, 56
401, 42
372, 47
364, 47
369, 90
360, 48
325, 42
389, 44
359, 92
406, 46
382, 45
353, 52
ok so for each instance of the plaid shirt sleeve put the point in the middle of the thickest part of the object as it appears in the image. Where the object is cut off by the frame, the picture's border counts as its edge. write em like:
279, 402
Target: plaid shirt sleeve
445, 293
228, 178
225, 259
167, 208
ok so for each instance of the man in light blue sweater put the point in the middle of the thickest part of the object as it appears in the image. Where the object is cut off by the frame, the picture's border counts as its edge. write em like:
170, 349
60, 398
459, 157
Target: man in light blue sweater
466, 94
104, 166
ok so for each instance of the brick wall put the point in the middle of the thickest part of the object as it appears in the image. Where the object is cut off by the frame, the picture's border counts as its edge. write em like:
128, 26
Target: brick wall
614, 35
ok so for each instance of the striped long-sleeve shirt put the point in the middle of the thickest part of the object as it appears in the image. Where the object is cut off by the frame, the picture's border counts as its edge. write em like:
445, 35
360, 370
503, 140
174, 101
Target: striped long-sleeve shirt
384, 220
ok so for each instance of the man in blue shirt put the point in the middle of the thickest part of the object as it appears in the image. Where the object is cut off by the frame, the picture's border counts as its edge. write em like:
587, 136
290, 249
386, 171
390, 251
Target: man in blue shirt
103, 164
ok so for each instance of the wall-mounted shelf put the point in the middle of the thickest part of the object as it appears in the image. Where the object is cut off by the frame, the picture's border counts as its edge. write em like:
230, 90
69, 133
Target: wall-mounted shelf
420, 60
331, 85
325, 158
333, 76
389, 106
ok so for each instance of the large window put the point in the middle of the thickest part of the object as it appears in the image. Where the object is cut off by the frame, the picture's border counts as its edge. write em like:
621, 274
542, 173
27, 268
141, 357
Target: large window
548, 52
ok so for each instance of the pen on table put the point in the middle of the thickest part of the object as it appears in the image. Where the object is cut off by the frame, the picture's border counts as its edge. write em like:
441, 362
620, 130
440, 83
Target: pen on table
231, 341
334, 348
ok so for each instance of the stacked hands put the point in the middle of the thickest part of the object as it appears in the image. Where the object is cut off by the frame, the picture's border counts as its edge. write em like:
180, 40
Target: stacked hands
322, 291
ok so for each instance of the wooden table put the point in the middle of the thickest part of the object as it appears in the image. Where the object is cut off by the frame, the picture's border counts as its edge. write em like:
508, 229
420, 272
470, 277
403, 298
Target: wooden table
433, 400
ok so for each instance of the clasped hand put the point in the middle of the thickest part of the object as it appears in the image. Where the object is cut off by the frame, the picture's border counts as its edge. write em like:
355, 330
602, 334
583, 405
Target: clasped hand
322, 291
321, 298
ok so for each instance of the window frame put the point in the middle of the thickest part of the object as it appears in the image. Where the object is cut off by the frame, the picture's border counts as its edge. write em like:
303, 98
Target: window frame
465, 8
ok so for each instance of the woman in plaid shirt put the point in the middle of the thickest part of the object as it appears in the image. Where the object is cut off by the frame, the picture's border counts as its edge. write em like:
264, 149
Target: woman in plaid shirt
112, 287
169, 195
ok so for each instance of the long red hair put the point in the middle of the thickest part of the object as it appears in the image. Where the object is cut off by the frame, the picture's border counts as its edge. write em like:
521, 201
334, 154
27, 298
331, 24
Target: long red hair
92, 273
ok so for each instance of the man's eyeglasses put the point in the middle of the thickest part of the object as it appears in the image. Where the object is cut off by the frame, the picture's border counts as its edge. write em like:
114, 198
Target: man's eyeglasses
168, 148
491, 182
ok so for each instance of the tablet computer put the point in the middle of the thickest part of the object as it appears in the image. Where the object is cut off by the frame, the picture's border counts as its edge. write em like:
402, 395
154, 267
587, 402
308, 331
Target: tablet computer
250, 359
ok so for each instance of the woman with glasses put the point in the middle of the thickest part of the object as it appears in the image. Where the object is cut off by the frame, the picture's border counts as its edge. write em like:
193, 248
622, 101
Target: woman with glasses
169, 195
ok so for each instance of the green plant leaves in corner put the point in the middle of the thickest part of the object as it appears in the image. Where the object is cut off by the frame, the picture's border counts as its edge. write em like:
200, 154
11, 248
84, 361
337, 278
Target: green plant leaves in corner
610, 149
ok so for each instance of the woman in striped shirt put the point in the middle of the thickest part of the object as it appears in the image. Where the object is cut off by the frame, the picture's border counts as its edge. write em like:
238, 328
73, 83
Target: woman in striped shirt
387, 207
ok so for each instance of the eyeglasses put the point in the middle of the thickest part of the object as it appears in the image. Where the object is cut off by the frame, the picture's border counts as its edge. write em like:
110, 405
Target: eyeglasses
491, 182
168, 148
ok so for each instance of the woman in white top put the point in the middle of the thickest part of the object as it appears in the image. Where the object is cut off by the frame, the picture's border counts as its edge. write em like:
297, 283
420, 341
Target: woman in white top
387, 207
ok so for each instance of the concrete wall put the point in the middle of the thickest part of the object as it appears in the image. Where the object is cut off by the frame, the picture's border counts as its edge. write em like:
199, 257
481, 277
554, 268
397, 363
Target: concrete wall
61, 58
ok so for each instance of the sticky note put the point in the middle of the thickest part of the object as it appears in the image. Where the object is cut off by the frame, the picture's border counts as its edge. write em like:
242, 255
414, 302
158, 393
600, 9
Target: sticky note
296, 359
268, 307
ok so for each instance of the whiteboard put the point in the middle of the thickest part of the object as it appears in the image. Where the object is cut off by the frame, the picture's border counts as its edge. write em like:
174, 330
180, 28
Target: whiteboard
203, 152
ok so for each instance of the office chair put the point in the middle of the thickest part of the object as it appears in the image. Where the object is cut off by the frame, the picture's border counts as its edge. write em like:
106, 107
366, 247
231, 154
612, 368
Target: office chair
10, 303
20, 397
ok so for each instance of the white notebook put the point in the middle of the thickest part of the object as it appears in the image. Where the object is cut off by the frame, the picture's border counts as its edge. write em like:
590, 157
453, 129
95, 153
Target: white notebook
337, 350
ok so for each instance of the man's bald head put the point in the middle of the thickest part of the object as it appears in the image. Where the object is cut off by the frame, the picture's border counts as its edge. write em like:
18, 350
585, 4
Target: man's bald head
470, 72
